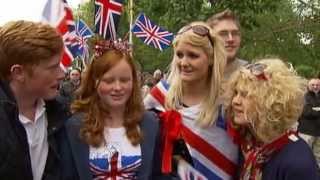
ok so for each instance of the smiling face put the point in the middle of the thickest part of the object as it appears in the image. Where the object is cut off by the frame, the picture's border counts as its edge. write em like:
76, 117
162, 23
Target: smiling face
192, 62
229, 32
115, 86
314, 85
75, 75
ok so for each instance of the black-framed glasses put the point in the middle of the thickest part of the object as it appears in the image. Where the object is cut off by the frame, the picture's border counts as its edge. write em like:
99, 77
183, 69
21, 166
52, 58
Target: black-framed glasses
197, 29
257, 69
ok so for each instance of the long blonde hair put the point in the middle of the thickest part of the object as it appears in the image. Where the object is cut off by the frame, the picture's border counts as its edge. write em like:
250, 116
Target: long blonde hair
217, 60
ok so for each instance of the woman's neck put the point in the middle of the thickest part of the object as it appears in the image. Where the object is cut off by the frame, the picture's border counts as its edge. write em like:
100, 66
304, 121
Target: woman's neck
115, 119
194, 93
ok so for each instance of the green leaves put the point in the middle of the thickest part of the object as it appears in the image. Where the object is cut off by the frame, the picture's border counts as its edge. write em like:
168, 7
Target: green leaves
268, 28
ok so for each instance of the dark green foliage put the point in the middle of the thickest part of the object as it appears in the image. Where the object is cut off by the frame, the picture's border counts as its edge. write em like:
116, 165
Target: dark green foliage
268, 28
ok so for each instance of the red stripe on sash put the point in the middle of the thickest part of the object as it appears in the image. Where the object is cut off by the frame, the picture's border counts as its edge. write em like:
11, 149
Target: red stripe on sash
209, 151
158, 95
200, 144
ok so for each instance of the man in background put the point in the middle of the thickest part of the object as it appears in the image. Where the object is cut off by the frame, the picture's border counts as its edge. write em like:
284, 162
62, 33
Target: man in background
67, 90
227, 27
309, 122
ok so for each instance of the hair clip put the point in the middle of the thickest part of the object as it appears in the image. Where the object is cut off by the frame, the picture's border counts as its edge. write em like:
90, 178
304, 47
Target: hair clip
103, 46
257, 69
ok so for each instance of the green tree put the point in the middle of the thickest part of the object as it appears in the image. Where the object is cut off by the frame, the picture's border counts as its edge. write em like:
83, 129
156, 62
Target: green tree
288, 29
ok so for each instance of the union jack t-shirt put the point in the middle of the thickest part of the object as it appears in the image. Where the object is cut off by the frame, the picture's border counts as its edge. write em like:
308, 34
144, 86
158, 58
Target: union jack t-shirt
117, 158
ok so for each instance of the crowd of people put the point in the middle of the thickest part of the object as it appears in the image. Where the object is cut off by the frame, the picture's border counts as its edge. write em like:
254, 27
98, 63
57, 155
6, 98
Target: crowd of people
227, 117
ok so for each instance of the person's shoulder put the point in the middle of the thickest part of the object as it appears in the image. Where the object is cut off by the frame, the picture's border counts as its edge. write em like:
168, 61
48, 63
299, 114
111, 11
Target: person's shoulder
75, 120
66, 83
149, 116
297, 154
294, 161
56, 107
150, 120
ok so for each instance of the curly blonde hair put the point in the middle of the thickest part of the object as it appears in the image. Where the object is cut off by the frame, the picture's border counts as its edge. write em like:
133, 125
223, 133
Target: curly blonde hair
275, 102
217, 60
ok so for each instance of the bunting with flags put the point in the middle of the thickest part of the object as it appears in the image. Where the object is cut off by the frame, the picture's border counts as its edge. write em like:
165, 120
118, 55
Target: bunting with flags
107, 16
151, 34
58, 14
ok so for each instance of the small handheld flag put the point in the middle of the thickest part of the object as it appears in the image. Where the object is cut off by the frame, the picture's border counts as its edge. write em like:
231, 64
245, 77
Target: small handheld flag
83, 33
151, 33
107, 16
58, 14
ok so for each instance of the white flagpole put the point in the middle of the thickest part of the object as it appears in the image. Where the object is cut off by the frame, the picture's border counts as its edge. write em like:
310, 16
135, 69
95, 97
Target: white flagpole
131, 20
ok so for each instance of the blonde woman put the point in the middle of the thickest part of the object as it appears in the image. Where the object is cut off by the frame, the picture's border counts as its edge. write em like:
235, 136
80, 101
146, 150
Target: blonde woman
266, 101
188, 104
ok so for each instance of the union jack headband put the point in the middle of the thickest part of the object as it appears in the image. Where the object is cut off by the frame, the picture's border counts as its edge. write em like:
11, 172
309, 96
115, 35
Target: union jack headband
103, 46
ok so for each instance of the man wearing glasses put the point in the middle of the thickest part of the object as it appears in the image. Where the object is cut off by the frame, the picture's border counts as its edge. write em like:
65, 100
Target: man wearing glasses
227, 26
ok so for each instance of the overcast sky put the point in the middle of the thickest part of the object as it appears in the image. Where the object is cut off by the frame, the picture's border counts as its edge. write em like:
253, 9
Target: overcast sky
25, 9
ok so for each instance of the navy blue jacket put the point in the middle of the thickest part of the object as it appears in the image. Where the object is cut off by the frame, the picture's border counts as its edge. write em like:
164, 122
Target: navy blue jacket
294, 162
15, 160
80, 150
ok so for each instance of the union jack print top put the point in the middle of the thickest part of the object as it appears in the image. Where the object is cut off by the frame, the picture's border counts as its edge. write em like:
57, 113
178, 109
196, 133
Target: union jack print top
117, 159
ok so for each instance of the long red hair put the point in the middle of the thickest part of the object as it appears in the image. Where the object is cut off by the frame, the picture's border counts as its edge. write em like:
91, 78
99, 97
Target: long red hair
89, 103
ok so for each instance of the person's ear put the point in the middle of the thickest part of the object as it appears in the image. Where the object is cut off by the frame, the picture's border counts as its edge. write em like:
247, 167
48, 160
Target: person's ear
17, 72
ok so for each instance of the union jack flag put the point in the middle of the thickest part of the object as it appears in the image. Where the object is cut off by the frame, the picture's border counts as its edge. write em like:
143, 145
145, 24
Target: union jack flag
151, 34
78, 43
107, 16
58, 14
113, 171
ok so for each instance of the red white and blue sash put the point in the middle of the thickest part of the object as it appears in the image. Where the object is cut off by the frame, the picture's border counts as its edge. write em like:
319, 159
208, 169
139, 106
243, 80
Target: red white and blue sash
213, 152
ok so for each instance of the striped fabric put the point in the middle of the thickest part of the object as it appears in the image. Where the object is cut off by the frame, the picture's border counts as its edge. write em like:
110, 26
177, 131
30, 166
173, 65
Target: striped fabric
213, 152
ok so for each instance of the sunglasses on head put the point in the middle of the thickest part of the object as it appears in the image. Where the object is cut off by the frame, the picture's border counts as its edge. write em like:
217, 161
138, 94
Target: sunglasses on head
199, 30
257, 69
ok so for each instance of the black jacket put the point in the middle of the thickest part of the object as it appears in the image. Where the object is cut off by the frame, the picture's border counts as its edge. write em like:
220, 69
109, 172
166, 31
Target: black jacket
309, 122
15, 163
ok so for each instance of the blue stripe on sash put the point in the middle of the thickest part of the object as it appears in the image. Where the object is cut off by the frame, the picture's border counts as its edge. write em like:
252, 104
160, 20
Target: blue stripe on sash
221, 121
165, 84
205, 171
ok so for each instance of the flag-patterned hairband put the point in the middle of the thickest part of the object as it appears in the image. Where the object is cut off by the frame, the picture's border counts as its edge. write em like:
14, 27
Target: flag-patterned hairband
103, 46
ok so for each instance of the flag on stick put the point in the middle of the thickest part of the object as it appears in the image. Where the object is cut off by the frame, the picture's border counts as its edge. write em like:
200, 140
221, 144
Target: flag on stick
83, 33
58, 14
151, 33
107, 16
